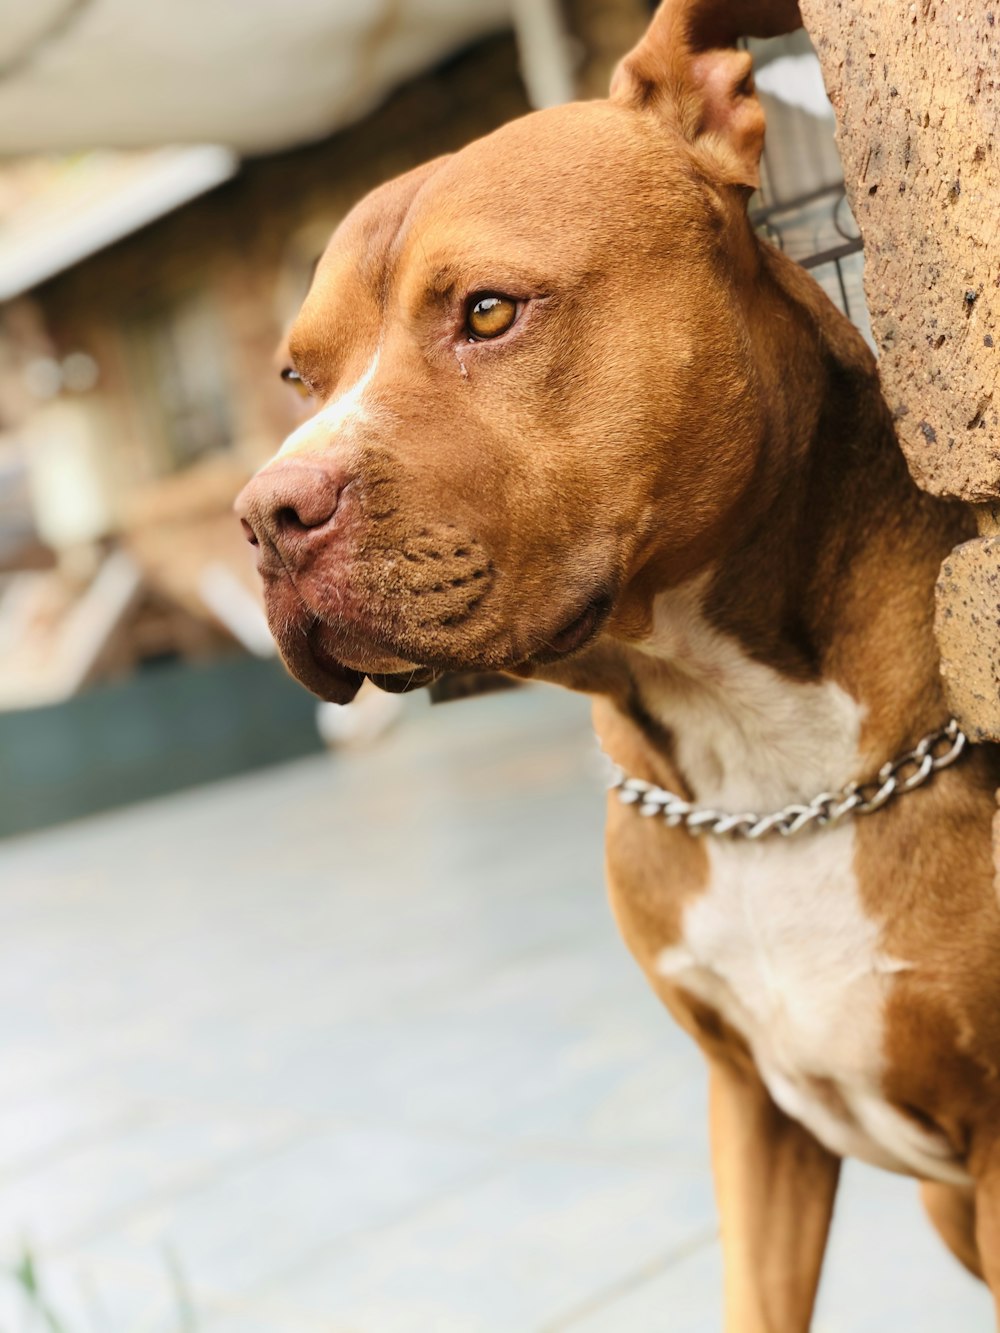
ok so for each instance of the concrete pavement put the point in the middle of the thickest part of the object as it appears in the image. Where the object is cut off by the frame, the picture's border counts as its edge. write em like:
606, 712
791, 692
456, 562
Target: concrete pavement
352, 1044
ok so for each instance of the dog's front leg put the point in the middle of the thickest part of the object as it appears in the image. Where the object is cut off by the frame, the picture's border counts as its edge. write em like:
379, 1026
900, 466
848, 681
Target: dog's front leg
987, 1219
776, 1186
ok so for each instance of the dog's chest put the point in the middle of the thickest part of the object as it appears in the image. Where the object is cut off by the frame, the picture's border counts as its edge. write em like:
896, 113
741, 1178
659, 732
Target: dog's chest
778, 942
780, 946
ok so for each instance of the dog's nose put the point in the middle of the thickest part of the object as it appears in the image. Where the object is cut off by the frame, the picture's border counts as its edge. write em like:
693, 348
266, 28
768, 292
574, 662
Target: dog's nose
289, 505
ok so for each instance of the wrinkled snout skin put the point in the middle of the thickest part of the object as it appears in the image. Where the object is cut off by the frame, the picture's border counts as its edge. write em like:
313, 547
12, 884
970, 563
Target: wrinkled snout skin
505, 504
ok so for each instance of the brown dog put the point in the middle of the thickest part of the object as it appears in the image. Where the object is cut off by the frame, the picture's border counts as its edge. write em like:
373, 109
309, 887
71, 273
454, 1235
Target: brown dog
574, 420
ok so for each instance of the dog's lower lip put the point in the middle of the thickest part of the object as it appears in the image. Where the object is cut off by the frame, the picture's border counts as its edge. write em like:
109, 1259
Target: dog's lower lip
398, 682
344, 679
404, 681
566, 641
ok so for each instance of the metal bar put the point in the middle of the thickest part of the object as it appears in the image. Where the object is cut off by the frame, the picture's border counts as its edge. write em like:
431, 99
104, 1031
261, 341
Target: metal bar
787, 206
831, 256
843, 288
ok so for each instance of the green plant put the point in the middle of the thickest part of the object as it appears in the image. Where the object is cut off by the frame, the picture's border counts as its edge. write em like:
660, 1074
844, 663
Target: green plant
27, 1278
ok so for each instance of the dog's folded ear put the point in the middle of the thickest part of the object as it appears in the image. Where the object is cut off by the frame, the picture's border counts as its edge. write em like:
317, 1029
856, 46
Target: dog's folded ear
687, 69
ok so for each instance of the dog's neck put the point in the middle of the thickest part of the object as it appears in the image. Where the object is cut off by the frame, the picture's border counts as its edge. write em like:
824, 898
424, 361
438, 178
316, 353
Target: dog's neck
803, 656
741, 733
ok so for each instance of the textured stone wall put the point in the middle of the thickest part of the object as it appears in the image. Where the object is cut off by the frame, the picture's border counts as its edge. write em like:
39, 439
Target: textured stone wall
915, 88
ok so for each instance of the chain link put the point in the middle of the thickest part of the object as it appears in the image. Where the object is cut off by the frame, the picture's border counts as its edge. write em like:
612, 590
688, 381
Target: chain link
908, 771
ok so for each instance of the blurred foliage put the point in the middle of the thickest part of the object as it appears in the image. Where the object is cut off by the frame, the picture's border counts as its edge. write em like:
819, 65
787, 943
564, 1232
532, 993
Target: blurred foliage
26, 1277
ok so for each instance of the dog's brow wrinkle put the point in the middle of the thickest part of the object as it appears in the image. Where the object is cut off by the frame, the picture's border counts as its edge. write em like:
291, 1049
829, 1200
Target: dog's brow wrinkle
443, 281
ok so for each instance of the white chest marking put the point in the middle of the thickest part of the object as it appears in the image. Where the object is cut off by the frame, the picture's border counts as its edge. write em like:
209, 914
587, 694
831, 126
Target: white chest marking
747, 737
779, 943
348, 410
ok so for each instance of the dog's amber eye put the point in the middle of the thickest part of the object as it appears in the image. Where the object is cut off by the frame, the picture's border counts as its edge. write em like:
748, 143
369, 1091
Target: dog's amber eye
489, 316
293, 378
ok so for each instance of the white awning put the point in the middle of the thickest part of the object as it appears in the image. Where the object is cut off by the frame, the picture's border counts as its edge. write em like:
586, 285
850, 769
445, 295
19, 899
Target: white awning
90, 202
257, 75
214, 78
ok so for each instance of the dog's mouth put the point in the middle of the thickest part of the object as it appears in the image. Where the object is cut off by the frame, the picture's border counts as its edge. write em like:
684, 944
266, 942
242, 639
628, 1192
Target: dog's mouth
577, 634
316, 661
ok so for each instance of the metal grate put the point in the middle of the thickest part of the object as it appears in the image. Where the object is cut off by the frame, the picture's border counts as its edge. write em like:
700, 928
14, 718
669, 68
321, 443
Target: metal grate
801, 206
818, 231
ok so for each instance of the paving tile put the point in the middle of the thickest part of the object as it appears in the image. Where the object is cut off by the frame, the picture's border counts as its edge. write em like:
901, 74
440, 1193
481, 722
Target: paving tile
357, 1040
885, 1269
485, 1062
77, 1195
509, 1254
35, 1132
276, 1319
681, 1295
265, 1217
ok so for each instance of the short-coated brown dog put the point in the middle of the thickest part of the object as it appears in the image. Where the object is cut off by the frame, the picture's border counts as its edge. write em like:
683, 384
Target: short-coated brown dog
574, 420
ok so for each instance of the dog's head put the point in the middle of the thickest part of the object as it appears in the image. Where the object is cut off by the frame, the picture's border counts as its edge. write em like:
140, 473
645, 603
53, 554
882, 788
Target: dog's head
534, 401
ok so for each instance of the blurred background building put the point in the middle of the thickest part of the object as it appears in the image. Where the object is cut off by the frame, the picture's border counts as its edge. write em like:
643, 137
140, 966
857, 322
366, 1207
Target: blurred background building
143, 290
171, 175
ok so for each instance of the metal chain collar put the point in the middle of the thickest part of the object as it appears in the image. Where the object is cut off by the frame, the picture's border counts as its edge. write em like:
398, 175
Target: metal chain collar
937, 750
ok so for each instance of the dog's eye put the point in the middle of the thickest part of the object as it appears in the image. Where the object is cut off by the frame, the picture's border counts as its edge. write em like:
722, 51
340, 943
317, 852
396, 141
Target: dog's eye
489, 315
293, 378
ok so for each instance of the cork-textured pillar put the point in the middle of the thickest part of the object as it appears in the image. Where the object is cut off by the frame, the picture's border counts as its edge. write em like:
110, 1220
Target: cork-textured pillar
915, 92
915, 89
